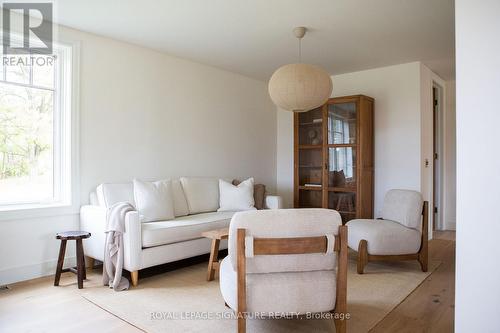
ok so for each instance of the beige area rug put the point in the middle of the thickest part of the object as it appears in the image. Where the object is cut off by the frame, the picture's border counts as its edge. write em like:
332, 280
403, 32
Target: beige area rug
183, 301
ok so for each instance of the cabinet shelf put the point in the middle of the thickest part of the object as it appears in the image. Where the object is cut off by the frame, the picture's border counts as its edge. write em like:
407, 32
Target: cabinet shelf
341, 145
311, 188
310, 146
342, 189
311, 166
311, 123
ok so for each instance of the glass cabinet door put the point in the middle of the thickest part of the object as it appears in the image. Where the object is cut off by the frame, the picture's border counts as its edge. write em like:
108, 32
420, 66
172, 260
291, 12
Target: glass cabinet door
310, 158
311, 127
342, 167
310, 168
342, 123
342, 149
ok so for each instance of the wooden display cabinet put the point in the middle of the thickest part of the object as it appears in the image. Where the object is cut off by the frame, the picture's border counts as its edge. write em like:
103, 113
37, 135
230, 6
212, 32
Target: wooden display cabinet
334, 158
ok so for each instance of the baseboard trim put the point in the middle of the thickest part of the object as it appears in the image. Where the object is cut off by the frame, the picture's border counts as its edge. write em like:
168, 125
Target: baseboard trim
28, 272
450, 225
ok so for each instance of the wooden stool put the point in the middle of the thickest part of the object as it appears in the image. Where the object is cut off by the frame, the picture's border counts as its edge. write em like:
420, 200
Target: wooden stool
216, 236
80, 260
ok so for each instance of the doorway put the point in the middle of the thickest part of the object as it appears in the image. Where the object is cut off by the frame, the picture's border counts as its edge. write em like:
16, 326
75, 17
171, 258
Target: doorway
437, 165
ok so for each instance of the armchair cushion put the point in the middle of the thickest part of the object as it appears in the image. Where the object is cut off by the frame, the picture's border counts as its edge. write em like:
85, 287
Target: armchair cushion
384, 237
285, 223
403, 206
318, 290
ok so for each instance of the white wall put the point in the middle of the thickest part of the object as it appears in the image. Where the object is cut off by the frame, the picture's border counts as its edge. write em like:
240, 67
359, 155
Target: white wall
397, 128
478, 165
149, 115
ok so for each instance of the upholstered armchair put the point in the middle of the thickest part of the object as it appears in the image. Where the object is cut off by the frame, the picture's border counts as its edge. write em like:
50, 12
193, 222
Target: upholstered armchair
286, 261
401, 233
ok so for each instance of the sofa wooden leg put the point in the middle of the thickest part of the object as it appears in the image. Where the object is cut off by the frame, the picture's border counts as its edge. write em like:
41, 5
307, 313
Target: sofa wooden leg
90, 262
135, 278
362, 255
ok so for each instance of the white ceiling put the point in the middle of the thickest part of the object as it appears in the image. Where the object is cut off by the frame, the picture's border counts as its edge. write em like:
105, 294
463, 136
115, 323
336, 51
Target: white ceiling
253, 37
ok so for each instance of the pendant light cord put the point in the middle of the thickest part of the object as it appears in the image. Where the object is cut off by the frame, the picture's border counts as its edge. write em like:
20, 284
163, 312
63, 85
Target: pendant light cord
300, 50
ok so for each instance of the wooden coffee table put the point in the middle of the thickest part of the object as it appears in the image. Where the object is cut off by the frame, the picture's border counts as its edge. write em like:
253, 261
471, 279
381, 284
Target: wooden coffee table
216, 236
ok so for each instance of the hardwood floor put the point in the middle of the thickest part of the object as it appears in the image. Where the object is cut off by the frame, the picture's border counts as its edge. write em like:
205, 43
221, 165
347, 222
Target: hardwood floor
430, 307
38, 306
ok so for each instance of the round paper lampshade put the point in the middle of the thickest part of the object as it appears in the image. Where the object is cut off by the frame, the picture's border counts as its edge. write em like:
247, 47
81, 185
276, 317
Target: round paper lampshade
300, 87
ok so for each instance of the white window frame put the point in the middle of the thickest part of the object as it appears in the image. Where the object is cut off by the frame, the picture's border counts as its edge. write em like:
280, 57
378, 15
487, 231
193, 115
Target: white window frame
66, 141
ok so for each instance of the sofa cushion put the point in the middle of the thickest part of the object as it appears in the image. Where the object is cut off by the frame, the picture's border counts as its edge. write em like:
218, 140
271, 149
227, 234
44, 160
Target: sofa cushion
384, 237
182, 228
109, 194
154, 200
180, 204
236, 197
202, 194
281, 292
403, 206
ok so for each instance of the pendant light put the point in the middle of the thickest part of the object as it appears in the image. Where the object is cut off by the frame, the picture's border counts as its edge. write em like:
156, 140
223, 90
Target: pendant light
300, 87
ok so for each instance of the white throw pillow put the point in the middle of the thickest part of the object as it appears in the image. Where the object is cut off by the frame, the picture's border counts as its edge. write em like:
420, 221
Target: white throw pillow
154, 200
202, 194
236, 198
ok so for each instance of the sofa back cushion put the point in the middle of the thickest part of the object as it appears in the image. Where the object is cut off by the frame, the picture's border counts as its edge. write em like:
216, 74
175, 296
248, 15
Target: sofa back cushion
285, 223
108, 194
154, 200
202, 194
180, 204
404, 207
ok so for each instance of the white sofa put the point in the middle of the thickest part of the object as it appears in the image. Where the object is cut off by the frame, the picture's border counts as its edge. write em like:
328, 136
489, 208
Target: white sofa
148, 244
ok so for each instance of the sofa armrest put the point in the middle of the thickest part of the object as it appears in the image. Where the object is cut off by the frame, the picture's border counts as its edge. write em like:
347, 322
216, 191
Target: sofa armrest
132, 242
93, 220
273, 202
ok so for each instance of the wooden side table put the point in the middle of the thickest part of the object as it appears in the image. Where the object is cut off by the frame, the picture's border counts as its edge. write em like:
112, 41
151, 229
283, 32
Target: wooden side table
80, 260
216, 236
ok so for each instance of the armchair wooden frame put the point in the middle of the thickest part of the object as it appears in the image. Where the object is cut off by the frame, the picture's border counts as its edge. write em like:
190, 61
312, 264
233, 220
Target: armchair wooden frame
422, 255
300, 245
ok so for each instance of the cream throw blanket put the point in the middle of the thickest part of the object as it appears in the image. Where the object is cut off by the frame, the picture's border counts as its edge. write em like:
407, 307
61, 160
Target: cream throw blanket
113, 248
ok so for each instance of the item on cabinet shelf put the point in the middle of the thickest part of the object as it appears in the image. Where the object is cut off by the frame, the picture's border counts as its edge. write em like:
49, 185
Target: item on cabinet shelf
318, 120
337, 179
313, 135
312, 185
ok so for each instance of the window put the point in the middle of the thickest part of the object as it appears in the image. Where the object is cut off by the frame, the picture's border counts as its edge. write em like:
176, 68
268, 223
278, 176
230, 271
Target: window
36, 129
